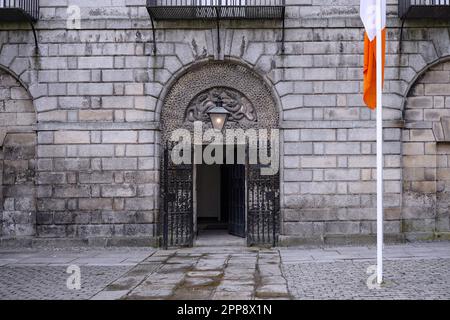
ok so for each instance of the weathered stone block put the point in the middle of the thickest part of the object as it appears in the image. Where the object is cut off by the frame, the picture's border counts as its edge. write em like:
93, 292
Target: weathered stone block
118, 191
119, 136
343, 148
138, 229
298, 148
75, 164
72, 192
96, 177
95, 62
141, 150
118, 75
318, 187
51, 205
139, 203
114, 217
95, 204
318, 162
92, 151
318, 135
342, 227
72, 137
320, 74
145, 217
74, 75
297, 175
90, 89
342, 174
119, 164
95, 115
304, 229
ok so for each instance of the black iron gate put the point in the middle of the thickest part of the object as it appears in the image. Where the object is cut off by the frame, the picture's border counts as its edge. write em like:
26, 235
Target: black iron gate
176, 214
176, 218
263, 206
236, 199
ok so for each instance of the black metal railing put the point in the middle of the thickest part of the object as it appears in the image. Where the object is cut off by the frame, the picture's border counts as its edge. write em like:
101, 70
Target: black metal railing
438, 9
211, 9
28, 7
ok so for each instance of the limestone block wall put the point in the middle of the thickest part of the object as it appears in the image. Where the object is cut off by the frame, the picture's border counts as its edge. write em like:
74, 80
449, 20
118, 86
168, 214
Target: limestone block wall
98, 92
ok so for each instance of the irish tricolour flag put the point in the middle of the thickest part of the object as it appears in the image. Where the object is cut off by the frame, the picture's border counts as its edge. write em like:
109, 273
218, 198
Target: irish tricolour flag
368, 11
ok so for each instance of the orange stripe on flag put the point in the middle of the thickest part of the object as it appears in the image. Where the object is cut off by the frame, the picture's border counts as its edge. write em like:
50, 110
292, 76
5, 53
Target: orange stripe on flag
370, 68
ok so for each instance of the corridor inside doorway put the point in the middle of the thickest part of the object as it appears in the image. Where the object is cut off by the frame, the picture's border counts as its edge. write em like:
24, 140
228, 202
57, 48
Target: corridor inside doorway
220, 204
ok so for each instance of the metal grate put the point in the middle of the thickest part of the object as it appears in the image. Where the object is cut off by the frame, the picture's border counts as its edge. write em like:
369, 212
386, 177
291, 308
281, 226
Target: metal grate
13, 10
213, 9
438, 9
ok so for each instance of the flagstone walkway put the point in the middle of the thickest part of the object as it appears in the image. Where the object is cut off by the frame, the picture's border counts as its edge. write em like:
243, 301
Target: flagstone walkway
205, 273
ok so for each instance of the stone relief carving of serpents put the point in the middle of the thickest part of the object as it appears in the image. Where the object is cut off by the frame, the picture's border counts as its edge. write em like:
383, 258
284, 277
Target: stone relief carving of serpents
237, 104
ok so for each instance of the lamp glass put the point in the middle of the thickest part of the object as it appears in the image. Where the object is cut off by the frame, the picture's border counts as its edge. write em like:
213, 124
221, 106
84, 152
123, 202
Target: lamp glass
218, 120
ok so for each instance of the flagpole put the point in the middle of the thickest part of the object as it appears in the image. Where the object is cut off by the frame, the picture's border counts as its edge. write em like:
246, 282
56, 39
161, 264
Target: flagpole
379, 115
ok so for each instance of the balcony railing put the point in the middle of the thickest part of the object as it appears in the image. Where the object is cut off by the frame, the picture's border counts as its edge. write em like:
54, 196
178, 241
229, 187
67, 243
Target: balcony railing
17, 10
21, 10
213, 9
433, 9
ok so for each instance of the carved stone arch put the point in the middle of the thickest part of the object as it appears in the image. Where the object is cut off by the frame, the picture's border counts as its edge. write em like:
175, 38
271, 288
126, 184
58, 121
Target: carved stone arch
14, 75
418, 76
236, 83
252, 103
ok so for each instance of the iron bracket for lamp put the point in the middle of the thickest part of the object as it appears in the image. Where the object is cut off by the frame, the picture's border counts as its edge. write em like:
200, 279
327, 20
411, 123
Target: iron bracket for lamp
219, 49
31, 22
283, 31
154, 34
401, 37
403, 19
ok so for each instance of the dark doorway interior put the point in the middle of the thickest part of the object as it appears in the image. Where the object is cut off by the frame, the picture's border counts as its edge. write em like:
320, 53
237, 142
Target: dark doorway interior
221, 198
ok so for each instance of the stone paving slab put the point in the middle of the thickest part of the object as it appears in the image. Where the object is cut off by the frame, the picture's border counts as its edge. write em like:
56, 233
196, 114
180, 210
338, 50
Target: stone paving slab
77, 256
391, 252
196, 273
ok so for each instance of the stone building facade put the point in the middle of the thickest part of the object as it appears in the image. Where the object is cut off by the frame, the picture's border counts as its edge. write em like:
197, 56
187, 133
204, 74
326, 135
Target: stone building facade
81, 131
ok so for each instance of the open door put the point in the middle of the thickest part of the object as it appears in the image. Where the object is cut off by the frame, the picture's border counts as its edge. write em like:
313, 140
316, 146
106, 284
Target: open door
236, 199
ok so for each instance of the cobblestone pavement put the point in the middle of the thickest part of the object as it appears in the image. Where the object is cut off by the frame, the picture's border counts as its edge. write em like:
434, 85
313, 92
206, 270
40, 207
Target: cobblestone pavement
41, 274
49, 282
412, 271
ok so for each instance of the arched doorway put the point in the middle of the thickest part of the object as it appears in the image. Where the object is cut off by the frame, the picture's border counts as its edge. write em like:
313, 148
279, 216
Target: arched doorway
231, 192
17, 159
426, 155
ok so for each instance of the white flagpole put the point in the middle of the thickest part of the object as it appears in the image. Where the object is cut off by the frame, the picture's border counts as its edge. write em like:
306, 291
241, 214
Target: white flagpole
379, 115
